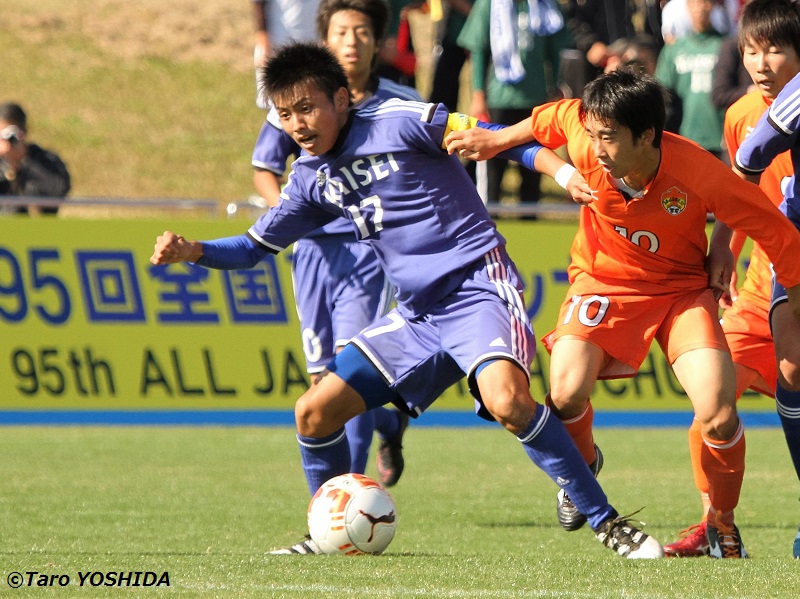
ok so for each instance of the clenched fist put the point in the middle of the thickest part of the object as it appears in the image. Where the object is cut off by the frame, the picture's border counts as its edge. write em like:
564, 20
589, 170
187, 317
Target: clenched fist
171, 248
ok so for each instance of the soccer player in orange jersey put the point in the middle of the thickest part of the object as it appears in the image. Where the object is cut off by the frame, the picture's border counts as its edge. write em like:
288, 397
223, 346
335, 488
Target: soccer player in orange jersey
769, 42
638, 268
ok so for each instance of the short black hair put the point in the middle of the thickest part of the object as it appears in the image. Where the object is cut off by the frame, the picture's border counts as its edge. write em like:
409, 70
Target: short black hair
301, 64
376, 10
13, 114
628, 98
769, 22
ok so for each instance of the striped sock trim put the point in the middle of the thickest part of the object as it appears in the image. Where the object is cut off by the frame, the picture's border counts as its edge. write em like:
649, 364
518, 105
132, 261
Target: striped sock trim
737, 436
578, 417
312, 443
787, 411
537, 426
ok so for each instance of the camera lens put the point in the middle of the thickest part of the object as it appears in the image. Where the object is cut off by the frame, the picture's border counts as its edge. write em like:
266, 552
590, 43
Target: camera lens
11, 134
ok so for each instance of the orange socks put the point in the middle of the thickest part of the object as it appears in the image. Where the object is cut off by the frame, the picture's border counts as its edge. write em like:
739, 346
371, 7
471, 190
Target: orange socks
580, 429
695, 450
723, 464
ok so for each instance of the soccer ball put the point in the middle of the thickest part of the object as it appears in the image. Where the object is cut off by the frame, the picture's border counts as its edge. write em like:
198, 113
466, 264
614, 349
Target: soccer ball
352, 514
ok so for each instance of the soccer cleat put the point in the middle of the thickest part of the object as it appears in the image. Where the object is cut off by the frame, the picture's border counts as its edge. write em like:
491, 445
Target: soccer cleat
621, 536
692, 542
796, 546
304, 547
724, 540
390, 454
568, 515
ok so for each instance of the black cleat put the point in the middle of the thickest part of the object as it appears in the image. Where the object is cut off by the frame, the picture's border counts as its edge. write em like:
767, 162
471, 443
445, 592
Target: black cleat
390, 454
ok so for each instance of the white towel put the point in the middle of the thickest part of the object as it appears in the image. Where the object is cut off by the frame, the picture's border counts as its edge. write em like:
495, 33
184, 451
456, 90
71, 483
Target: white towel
544, 18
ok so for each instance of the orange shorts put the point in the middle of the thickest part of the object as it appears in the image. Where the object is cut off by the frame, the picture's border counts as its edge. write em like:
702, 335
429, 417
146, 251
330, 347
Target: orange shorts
624, 324
749, 337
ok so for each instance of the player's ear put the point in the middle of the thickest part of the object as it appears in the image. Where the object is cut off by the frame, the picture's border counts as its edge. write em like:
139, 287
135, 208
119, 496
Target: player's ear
648, 136
341, 99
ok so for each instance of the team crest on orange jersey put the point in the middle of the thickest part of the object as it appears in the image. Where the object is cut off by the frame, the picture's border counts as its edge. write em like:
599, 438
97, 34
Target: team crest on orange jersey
674, 201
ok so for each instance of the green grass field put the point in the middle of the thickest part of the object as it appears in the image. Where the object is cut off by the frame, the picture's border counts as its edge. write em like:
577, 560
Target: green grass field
475, 518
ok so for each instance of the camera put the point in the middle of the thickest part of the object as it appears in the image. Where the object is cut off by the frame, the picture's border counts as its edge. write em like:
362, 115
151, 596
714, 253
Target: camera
11, 134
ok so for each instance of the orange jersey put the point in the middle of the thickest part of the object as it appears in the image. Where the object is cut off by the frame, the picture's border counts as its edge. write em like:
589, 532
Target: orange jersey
657, 244
740, 119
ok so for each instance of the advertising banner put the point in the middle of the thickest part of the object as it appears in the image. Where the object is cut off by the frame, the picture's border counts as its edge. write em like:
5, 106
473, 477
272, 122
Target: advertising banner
88, 324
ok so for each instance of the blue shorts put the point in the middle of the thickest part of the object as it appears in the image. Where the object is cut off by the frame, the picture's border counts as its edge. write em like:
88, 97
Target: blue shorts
339, 289
420, 356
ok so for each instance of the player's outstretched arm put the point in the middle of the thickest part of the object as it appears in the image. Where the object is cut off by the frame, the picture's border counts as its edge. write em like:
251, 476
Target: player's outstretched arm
477, 143
171, 248
529, 154
225, 253
567, 176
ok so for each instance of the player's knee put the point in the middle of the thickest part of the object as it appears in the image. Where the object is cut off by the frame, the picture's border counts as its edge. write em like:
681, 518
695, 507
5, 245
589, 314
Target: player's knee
311, 418
567, 403
719, 425
305, 418
513, 409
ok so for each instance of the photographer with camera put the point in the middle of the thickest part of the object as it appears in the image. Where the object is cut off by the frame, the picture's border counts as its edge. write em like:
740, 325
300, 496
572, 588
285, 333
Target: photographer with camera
25, 168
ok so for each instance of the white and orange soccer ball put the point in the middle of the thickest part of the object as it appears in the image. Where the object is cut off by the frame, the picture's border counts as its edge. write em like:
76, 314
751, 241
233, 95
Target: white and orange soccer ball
352, 514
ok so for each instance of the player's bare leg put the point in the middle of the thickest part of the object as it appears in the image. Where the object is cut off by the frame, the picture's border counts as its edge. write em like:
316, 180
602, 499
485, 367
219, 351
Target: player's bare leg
574, 367
692, 540
504, 390
709, 379
320, 416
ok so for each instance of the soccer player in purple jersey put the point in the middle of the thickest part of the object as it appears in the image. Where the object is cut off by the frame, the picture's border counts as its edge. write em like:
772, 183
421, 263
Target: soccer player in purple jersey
339, 286
776, 132
384, 168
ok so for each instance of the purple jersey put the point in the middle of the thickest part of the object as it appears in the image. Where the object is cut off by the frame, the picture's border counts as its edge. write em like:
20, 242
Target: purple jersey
404, 195
776, 132
274, 146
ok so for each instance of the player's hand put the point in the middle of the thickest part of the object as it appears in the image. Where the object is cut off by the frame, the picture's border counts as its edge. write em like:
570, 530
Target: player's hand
579, 190
172, 249
719, 266
472, 144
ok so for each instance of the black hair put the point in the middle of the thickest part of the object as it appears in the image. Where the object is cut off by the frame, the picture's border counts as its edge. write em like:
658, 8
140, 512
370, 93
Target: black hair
376, 10
769, 22
13, 114
302, 64
628, 98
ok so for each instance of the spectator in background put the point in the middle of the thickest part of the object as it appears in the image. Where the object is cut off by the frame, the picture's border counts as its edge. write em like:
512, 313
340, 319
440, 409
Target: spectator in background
676, 20
398, 61
450, 57
522, 73
276, 23
730, 80
25, 168
641, 52
685, 67
594, 25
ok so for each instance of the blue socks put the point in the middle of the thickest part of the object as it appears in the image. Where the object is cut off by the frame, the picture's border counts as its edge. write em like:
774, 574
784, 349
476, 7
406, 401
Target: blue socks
324, 458
550, 447
359, 437
788, 405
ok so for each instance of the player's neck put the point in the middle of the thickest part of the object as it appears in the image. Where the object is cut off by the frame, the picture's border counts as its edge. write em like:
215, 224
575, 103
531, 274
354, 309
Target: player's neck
647, 169
360, 88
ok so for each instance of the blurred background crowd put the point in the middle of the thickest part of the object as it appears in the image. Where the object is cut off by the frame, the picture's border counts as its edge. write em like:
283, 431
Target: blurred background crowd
493, 59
